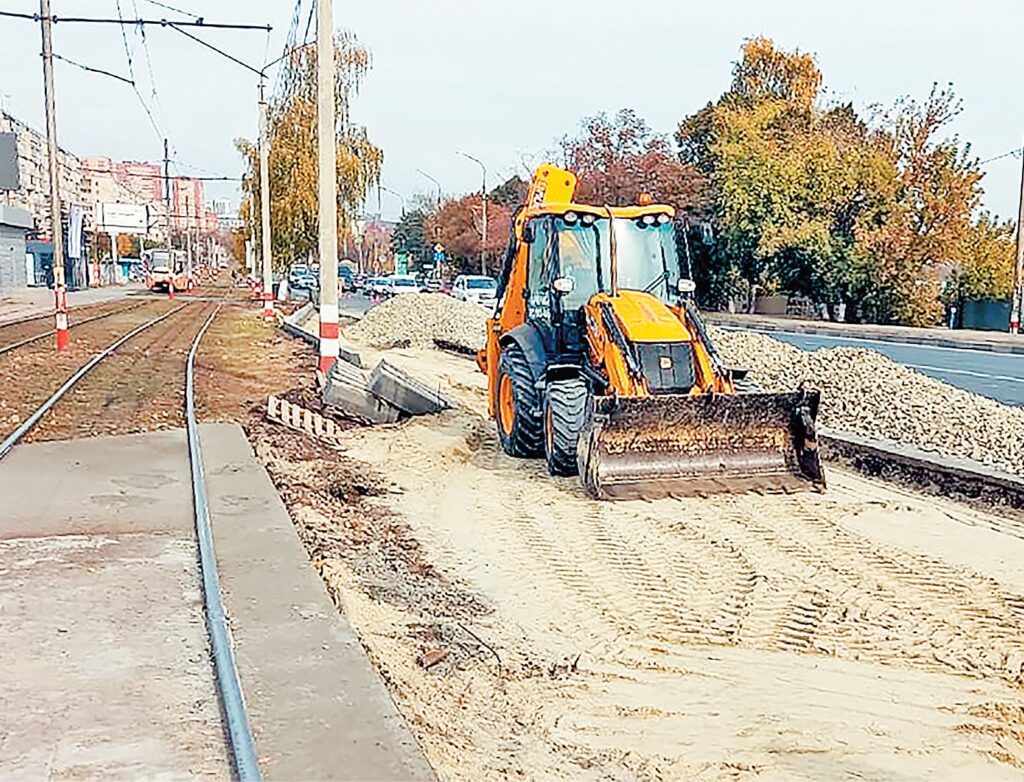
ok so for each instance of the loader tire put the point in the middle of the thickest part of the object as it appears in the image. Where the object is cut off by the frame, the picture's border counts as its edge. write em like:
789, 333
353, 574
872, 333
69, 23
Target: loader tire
565, 407
520, 429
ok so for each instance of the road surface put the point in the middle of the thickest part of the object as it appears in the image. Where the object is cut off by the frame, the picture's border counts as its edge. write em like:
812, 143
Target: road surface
996, 375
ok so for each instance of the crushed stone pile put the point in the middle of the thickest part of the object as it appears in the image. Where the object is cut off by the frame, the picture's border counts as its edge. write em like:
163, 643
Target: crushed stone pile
863, 392
866, 393
422, 320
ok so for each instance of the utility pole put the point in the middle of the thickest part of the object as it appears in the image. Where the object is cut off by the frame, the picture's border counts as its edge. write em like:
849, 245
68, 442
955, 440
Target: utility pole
1018, 266
268, 272
167, 201
483, 199
328, 182
60, 290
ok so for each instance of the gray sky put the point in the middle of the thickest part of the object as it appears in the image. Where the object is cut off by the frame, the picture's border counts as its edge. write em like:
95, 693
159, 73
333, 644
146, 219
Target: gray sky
504, 80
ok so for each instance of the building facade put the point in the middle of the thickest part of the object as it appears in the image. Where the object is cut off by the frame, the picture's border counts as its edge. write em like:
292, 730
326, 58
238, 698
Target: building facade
34, 173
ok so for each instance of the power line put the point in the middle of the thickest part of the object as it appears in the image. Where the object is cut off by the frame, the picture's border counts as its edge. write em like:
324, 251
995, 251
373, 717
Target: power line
149, 66
1012, 153
199, 22
93, 70
172, 8
131, 71
221, 52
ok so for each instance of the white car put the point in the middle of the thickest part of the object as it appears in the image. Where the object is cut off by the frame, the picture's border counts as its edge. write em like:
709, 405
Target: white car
476, 288
402, 283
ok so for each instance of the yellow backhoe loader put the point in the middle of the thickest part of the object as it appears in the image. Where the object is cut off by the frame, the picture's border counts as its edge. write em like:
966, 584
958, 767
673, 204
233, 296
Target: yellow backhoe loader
597, 359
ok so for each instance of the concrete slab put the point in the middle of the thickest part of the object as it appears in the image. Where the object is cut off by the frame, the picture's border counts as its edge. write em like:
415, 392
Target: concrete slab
106, 669
318, 708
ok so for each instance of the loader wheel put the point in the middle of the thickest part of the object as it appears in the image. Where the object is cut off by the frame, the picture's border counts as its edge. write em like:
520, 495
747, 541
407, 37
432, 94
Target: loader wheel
565, 406
519, 428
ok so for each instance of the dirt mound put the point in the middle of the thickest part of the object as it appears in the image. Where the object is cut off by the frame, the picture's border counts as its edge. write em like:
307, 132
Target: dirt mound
420, 319
867, 393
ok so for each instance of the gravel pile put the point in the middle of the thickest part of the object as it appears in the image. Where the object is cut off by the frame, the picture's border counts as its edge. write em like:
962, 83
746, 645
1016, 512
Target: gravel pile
865, 393
421, 319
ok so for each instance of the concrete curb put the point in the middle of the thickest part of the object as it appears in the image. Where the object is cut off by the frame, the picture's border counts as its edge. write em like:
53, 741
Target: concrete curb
933, 472
802, 327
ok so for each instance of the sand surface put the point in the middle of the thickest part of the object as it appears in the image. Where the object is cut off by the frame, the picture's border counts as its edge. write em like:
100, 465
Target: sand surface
866, 633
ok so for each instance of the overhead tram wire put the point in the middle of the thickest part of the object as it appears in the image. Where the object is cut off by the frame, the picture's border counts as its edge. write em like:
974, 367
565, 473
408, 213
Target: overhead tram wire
93, 70
137, 22
172, 8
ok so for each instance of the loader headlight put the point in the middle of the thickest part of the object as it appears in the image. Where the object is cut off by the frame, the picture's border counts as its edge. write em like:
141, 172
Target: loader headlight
588, 220
563, 284
649, 219
663, 218
570, 218
686, 286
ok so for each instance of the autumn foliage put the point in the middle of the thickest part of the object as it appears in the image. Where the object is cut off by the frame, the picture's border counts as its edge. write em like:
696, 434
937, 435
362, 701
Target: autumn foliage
878, 214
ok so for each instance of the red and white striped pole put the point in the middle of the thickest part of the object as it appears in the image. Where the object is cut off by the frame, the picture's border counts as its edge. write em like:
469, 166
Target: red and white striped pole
328, 186
329, 331
61, 318
60, 290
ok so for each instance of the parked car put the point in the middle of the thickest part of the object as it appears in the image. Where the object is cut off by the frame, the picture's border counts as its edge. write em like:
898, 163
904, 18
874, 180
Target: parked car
378, 286
403, 283
476, 288
345, 279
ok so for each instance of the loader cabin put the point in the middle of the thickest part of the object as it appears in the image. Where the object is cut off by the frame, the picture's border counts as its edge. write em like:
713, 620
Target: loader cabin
565, 251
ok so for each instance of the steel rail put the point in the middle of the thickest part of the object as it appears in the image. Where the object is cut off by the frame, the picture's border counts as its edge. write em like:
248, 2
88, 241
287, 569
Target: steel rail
243, 747
51, 332
12, 439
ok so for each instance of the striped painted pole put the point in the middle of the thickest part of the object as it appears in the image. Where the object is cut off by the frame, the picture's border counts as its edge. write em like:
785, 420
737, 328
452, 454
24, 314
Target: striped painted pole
327, 185
328, 336
61, 319
268, 305
170, 287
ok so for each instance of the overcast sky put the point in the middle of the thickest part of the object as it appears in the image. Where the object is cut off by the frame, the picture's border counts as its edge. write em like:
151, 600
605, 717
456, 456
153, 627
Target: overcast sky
504, 80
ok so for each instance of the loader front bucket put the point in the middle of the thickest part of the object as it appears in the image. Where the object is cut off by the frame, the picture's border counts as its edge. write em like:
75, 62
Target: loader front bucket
686, 446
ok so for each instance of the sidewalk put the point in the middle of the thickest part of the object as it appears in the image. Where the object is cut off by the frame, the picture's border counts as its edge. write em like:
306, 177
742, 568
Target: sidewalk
965, 339
31, 302
105, 657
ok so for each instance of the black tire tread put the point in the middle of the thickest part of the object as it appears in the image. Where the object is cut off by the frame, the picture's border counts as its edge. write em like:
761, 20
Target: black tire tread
526, 439
566, 400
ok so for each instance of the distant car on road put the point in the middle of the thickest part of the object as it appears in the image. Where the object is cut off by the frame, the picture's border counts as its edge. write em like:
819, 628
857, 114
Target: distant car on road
476, 288
377, 286
403, 283
345, 279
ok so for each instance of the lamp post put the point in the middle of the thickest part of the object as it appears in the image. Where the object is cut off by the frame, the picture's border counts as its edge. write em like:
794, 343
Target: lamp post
424, 173
483, 200
394, 193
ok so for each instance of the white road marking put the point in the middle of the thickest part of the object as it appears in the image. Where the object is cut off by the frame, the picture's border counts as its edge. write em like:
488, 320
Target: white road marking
1003, 378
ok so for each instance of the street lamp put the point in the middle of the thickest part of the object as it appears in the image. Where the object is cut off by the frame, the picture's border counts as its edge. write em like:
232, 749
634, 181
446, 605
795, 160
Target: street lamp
424, 173
483, 200
394, 193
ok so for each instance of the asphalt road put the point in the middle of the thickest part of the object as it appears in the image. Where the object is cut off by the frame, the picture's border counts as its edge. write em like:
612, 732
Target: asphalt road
996, 375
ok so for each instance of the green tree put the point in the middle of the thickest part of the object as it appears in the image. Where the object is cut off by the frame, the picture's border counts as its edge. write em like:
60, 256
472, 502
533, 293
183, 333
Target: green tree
293, 154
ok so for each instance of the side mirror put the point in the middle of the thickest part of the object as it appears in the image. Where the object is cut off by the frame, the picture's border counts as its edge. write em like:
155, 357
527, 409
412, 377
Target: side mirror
528, 233
686, 286
563, 284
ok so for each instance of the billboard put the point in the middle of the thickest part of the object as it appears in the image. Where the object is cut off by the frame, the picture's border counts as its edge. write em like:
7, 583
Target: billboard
9, 161
122, 219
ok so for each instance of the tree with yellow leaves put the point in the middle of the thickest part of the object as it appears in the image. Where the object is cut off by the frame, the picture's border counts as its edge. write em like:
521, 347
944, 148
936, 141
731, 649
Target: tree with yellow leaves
293, 154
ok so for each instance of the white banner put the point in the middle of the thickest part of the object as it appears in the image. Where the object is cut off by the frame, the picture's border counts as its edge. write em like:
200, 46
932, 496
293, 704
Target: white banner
122, 219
